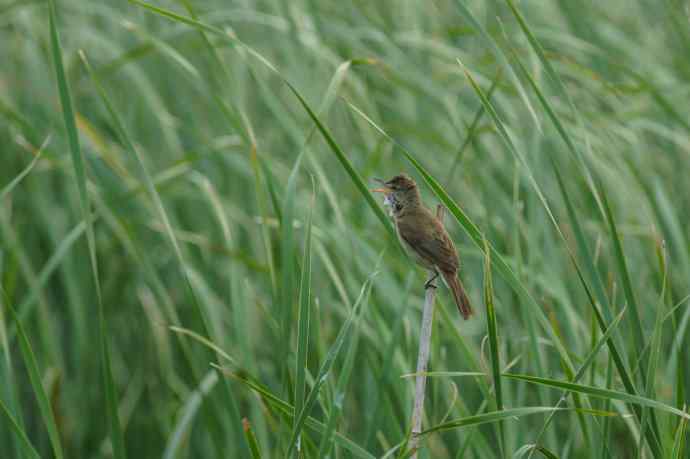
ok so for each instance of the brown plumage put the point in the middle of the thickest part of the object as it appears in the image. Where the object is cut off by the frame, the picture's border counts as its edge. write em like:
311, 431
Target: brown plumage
424, 237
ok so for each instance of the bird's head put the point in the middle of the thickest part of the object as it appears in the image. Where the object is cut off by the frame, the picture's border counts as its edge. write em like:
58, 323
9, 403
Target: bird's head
401, 190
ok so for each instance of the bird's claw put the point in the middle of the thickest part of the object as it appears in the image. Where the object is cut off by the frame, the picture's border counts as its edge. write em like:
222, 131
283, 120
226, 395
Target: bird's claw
430, 283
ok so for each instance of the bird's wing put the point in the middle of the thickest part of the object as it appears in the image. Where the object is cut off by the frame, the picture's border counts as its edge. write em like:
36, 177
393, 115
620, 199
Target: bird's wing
430, 240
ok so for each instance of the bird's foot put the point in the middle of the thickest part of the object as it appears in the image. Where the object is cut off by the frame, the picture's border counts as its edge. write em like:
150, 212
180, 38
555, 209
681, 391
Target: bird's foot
430, 284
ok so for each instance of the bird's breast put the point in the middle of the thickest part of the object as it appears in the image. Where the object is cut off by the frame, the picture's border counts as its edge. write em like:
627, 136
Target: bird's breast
411, 252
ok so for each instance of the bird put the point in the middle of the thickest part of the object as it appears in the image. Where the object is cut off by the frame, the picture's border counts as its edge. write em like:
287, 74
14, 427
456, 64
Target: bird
423, 236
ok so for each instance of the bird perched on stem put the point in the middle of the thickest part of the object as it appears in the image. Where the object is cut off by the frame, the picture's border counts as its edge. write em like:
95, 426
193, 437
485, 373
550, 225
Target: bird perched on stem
424, 237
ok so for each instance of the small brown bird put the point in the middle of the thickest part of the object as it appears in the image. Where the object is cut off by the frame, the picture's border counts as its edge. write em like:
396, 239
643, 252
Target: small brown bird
424, 237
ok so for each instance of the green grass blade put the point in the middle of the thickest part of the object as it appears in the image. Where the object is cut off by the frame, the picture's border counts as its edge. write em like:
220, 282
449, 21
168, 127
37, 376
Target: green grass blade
37, 384
19, 432
251, 439
78, 163
339, 396
531, 449
655, 340
288, 262
473, 128
492, 328
327, 364
679, 442
619, 256
303, 323
187, 416
600, 393
7, 189
214, 347
27, 305
179, 18
271, 188
545, 452
491, 417
492, 331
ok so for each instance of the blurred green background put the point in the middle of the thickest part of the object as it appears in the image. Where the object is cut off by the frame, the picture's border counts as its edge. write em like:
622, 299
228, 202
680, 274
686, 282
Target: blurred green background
200, 168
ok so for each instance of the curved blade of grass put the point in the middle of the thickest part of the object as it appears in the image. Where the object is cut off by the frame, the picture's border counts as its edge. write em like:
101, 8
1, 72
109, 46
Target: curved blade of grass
679, 442
491, 326
473, 127
19, 433
531, 449
115, 430
263, 212
251, 439
215, 348
288, 410
445, 374
545, 452
287, 266
339, 396
271, 188
625, 276
7, 189
45, 274
655, 341
188, 413
378, 393
179, 18
303, 322
492, 416
36, 384
600, 393
325, 369
492, 330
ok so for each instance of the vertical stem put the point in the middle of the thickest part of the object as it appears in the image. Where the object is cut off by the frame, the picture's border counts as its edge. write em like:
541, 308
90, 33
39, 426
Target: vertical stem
423, 358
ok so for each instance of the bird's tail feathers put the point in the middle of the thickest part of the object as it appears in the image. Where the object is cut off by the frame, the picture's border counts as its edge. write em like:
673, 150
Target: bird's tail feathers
459, 294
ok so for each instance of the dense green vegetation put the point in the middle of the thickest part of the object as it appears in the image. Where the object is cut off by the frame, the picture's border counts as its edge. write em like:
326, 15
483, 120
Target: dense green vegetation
189, 253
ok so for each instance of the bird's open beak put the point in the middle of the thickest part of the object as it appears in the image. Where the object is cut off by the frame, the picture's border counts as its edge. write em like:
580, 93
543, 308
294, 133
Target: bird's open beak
384, 189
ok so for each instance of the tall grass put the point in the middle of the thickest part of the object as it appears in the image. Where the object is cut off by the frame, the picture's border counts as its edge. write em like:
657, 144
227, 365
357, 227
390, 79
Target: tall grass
192, 265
